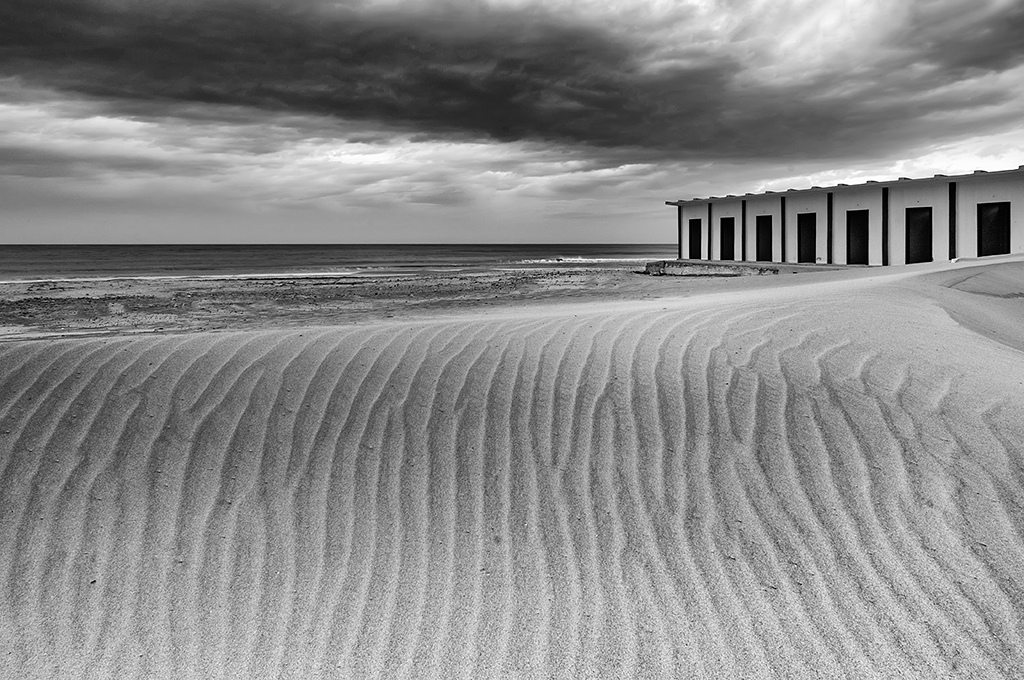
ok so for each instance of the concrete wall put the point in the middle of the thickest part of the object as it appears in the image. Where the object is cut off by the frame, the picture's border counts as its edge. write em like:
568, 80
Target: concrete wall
673, 268
698, 211
727, 208
764, 205
857, 198
984, 188
919, 194
810, 202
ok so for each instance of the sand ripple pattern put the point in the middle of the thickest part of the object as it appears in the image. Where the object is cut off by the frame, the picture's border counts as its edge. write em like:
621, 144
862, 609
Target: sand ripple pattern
683, 492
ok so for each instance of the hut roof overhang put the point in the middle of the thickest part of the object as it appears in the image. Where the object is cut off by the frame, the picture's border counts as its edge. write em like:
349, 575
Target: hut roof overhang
977, 174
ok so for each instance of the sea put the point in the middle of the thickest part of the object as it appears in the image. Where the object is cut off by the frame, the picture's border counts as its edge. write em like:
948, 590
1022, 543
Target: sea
61, 262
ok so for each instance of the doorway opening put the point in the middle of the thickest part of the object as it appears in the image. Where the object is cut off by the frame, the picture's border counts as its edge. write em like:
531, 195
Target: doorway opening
728, 245
695, 239
806, 237
993, 229
764, 238
919, 235
856, 237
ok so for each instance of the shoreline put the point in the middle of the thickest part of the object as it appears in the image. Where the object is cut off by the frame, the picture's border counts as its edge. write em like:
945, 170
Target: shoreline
110, 305
378, 271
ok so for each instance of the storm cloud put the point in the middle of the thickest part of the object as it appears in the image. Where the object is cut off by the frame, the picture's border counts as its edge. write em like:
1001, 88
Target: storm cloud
477, 119
515, 74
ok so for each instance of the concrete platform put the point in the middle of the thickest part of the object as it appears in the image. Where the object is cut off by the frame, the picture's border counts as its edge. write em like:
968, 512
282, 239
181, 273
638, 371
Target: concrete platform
720, 268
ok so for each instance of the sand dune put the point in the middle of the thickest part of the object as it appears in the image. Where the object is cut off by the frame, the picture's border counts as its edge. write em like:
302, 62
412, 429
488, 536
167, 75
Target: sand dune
817, 480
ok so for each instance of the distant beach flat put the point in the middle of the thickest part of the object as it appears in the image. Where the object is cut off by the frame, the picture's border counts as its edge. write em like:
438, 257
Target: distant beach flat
801, 476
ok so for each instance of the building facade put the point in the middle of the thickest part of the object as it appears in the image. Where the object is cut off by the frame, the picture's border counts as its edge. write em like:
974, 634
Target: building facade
877, 223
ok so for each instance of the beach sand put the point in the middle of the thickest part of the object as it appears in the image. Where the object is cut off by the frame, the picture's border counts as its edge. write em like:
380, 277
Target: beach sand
817, 475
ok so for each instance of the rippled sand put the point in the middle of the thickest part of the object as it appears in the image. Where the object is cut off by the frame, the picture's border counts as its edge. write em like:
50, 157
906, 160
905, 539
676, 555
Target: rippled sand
816, 479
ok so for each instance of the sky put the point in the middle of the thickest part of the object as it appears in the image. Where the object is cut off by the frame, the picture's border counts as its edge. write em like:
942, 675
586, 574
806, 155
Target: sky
479, 121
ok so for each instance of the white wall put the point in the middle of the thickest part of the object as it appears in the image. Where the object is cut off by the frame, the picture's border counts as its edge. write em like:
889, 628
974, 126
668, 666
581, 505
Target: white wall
728, 208
985, 188
931, 192
700, 212
764, 205
857, 198
919, 194
809, 202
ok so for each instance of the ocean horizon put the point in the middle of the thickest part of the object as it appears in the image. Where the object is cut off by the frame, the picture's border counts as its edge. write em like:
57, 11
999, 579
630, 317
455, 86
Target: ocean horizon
55, 262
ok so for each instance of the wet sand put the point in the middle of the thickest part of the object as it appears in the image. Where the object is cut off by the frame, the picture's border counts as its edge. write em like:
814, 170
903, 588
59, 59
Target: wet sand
163, 305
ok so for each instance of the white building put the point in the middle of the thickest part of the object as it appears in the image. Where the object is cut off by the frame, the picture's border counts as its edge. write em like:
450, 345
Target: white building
878, 223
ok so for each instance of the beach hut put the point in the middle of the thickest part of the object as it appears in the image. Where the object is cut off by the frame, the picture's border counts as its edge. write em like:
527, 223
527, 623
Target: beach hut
902, 221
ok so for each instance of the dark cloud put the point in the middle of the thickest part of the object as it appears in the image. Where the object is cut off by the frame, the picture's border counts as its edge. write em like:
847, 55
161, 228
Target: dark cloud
965, 38
26, 161
504, 77
500, 75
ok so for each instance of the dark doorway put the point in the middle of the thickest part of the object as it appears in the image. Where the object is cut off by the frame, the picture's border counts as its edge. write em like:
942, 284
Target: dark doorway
695, 239
856, 237
806, 237
919, 235
764, 238
728, 246
993, 229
